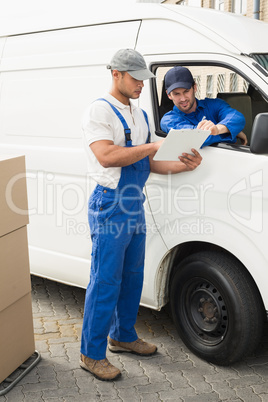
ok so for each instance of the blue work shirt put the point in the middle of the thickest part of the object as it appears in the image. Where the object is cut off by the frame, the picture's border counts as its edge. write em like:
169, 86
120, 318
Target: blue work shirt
216, 110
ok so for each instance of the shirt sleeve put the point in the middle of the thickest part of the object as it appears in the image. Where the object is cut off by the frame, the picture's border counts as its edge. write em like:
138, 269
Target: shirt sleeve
172, 120
229, 117
97, 123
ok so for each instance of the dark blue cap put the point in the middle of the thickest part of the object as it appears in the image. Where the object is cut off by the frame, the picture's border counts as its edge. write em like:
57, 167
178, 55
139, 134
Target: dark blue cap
178, 77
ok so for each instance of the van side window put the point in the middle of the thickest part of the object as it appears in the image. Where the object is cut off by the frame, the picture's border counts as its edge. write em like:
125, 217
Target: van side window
214, 82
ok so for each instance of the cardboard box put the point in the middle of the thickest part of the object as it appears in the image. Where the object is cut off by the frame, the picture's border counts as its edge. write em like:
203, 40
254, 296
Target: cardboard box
14, 269
13, 194
16, 331
16, 320
16, 335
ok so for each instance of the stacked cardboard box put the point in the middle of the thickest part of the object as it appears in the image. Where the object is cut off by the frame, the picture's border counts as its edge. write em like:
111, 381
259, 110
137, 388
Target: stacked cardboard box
16, 322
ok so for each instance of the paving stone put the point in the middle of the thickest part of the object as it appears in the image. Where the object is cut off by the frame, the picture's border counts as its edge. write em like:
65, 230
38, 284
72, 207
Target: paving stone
177, 380
59, 309
83, 398
153, 372
248, 395
31, 378
211, 397
177, 366
150, 397
127, 383
221, 375
63, 364
134, 369
86, 384
74, 311
41, 345
67, 330
66, 379
51, 326
33, 396
155, 387
206, 368
159, 359
253, 361
176, 394
40, 386
245, 381
243, 369
71, 341
261, 370
60, 393
197, 381
38, 323
129, 394
224, 391
57, 350
44, 314
261, 388
177, 354
46, 372
107, 390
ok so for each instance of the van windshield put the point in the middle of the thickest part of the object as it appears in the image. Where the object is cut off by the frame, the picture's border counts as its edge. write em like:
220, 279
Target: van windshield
261, 58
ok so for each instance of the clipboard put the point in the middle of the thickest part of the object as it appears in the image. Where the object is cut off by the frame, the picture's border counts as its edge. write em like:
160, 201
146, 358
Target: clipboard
179, 141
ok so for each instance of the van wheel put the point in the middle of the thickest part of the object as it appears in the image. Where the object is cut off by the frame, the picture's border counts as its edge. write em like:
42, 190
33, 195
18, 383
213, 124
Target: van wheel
216, 307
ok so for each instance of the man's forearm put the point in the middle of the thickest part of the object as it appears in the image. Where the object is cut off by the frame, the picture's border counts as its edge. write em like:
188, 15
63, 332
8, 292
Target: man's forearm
110, 155
222, 129
186, 162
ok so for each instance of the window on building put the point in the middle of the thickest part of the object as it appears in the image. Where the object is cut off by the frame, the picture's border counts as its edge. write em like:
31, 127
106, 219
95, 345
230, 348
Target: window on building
218, 5
197, 80
220, 83
233, 82
209, 90
239, 6
245, 86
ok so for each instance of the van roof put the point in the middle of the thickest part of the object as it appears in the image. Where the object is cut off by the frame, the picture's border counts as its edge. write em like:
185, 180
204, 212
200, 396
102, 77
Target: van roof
239, 34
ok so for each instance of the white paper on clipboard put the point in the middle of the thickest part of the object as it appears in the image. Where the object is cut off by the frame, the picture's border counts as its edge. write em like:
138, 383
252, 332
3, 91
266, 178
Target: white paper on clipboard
180, 141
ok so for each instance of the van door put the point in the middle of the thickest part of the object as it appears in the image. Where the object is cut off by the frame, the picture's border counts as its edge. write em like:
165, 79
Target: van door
213, 260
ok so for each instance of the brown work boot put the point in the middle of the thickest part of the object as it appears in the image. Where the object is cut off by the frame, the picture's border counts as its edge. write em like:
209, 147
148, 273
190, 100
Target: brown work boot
101, 369
138, 347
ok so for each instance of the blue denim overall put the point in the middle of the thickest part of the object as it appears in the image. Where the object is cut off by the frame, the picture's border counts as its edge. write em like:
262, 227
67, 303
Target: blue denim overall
118, 230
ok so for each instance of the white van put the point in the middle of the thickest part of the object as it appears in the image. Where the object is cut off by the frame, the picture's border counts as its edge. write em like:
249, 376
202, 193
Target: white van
207, 237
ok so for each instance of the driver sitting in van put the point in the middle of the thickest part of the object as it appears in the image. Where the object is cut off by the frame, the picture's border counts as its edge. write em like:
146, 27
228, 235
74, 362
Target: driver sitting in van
224, 122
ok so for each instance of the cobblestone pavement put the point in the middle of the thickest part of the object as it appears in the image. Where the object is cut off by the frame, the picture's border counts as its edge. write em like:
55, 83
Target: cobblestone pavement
173, 374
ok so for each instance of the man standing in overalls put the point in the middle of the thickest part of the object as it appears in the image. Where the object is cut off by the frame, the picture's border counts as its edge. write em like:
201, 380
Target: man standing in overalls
117, 139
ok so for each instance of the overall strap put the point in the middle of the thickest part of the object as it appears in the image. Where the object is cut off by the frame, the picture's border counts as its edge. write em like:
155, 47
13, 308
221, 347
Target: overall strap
146, 119
127, 130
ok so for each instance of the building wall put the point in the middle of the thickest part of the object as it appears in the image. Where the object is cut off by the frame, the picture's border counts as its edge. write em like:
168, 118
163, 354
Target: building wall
228, 6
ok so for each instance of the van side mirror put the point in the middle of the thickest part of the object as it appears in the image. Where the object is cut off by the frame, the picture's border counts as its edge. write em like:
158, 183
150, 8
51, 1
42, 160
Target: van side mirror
259, 135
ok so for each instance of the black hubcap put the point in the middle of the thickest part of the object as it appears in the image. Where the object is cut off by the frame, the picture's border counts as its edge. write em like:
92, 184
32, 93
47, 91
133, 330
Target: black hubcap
205, 311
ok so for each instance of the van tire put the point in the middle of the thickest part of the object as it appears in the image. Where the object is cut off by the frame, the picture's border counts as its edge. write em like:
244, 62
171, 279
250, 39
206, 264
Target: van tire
216, 307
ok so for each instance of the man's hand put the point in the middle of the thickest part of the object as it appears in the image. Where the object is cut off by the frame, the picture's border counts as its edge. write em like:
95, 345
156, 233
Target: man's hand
243, 138
215, 129
191, 161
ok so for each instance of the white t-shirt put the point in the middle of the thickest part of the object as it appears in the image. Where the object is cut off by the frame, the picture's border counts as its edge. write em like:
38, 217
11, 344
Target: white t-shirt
101, 123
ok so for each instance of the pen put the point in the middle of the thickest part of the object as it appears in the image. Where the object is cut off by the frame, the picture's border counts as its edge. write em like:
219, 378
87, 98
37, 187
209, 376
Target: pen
203, 118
